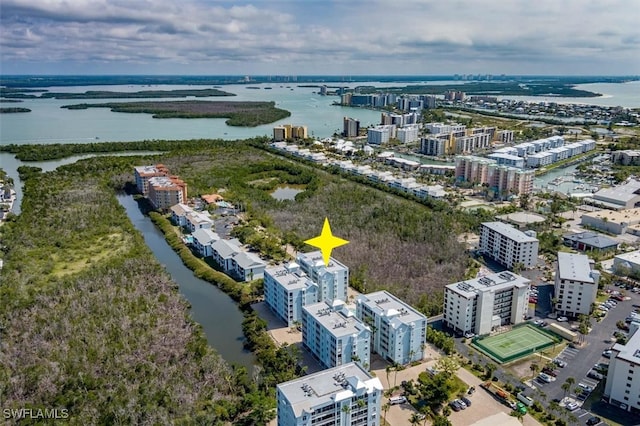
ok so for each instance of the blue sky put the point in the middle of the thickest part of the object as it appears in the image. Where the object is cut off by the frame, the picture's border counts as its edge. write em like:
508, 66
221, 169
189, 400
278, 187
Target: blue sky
341, 37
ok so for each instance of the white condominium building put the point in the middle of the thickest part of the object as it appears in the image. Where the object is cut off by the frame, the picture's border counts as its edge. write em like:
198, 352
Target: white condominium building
287, 289
340, 396
399, 331
332, 279
508, 246
482, 304
576, 285
334, 335
623, 377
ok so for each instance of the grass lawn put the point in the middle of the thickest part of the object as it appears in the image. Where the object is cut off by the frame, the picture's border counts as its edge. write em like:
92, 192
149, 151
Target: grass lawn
511, 345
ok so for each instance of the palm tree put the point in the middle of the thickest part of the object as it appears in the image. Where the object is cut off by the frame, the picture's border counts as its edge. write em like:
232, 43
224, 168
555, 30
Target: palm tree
554, 406
388, 370
570, 380
565, 387
386, 407
346, 409
534, 369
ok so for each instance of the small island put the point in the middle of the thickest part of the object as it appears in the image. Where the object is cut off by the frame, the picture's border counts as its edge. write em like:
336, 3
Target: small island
244, 114
13, 110
105, 94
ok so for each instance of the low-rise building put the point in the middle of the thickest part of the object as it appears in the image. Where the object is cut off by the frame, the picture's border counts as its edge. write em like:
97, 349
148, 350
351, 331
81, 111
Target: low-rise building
576, 284
341, 396
507, 160
399, 330
614, 222
334, 335
480, 305
179, 214
622, 387
589, 241
247, 266
287, 289
202, 241
625, 196
627, 263
223, 252
507, 245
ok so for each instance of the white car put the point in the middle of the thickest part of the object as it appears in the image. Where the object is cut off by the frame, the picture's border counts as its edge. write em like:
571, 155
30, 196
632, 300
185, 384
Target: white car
563, 319
397, 400
572, 406
544, 377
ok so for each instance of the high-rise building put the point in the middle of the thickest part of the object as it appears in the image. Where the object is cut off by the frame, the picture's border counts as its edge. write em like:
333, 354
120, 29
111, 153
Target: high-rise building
399, 331
508, 246
287, 289
576, 284
142, 175
166, 191
622, 387
279, 134
480, 305
341, 396
351, 128
333, 334
332, 279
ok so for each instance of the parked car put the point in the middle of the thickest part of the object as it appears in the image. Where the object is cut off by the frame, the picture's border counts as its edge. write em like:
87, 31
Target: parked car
397, 400
606, 353
593, 374
545, 377
601, 367
563, 319
455, 406
462, 404
471, 390
550, 372
469, 335
560, 363
466, 400
593, 421
572, 406
585, 388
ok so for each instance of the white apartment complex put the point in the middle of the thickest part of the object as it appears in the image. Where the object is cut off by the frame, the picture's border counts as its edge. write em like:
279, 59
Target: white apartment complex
482, 304
500, 178
576, 284
287, 289
399, 331
507, 245
340, 396
623, 377
334, 336
332, 279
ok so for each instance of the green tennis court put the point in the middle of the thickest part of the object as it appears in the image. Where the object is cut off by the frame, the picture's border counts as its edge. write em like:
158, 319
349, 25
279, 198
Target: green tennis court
516, 343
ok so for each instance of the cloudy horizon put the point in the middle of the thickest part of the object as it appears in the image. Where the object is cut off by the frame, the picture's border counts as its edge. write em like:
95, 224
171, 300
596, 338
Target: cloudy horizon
332, 37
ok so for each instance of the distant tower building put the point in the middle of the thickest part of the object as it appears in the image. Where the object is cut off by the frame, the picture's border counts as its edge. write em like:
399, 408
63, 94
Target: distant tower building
351, 127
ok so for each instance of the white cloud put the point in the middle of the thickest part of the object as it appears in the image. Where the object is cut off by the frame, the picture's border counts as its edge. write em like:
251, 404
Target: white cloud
318, 36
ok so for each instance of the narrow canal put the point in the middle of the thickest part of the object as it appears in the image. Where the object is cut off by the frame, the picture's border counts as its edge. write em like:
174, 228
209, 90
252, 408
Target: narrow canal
220, 317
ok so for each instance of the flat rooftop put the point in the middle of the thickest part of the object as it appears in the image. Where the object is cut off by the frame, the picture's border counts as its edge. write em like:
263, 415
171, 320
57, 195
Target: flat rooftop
326, 386
632, 257
289, 276
521, 218
574, 267
509, 232
494, 282
631, 351
314, 260
628, 216
623, 193
386, 304
339, 323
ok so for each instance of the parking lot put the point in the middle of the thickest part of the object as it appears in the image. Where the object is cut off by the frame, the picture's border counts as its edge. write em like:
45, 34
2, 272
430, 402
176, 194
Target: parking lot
579, 362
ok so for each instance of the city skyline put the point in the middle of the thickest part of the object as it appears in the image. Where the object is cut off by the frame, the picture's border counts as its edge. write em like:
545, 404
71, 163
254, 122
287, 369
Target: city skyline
338, 37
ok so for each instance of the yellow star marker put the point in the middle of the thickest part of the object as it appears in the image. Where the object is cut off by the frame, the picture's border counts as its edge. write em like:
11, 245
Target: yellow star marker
326, 242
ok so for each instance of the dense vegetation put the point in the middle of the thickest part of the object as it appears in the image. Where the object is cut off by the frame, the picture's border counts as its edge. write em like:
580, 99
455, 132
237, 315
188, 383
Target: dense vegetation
247, 114
105, 94
13, 110
90, 321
